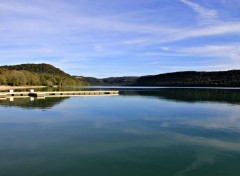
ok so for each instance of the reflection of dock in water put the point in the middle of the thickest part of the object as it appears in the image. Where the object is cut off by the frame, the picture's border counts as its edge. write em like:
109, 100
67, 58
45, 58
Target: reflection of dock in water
11, 94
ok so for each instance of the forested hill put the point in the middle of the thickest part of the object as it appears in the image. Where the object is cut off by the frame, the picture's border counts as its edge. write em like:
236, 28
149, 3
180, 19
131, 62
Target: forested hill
38, 68
48, 75
36, 74
112, 81
191, 78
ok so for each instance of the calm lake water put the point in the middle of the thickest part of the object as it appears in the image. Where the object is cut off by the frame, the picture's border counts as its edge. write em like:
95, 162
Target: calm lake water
141, 132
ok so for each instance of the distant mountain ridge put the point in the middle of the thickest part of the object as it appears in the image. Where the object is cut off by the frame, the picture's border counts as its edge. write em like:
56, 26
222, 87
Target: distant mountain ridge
229, 78
111, 81
48, 75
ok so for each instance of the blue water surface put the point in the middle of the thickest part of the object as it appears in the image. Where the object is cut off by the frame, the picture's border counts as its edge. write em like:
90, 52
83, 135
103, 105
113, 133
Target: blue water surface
142, 132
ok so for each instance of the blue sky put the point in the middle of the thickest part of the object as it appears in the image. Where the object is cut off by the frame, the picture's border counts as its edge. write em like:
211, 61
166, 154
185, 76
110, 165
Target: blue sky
103, 38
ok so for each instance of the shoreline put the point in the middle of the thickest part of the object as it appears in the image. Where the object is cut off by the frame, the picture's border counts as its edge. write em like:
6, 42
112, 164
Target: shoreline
20, 87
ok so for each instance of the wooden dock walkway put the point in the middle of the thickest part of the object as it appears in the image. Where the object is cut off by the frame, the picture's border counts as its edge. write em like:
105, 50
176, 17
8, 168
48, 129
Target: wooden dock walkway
4, 95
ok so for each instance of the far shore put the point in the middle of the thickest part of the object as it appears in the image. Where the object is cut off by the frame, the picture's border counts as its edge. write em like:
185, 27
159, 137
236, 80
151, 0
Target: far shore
19, 87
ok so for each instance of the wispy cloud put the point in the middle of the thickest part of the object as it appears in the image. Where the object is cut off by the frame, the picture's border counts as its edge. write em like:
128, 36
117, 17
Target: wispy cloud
78, 32
181, 34
220, 57
230, 52
206, 15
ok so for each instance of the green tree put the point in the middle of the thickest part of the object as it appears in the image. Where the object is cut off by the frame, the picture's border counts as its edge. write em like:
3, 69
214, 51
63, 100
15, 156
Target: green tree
3, 80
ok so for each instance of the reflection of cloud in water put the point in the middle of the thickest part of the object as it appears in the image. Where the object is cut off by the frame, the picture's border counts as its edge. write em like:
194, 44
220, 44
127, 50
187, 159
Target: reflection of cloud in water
166, 140
174, 139
164, 124
230, 122
202, 159
220, 145
215, 117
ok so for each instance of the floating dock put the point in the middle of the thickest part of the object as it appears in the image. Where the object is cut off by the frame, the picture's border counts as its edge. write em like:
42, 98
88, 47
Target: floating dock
5, 95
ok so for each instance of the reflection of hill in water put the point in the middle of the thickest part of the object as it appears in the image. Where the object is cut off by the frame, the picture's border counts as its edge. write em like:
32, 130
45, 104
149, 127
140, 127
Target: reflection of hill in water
192, 95
174, 94
36, 104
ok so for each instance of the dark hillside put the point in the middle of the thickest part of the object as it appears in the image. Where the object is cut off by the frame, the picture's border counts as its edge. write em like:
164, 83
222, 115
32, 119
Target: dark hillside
112, 81
191, 78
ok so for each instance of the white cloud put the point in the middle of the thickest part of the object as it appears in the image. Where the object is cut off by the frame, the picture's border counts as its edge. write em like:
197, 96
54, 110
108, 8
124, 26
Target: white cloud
220, 57
57, 29
227, 51
164, 48
52, 24
205, 15
179, 34
218, 29
136, 41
